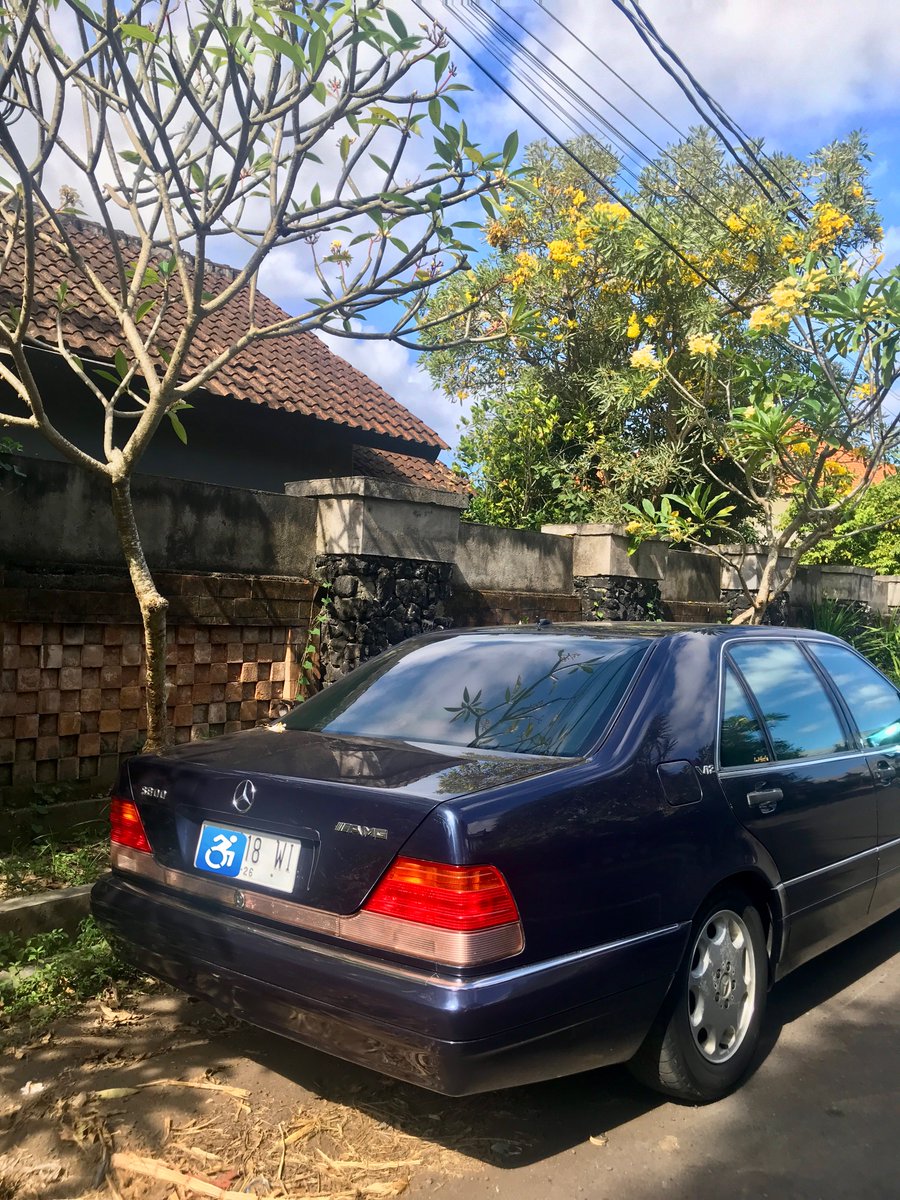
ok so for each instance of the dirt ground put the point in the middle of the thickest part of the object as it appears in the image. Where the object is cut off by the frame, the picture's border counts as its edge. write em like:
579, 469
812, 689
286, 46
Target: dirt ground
246, 1113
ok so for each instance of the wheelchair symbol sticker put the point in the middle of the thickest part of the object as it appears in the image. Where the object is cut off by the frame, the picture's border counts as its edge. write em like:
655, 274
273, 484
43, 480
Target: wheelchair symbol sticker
221, 851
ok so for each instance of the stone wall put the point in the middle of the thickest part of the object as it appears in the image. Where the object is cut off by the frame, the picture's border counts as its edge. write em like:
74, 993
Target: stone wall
619, 598
374, 602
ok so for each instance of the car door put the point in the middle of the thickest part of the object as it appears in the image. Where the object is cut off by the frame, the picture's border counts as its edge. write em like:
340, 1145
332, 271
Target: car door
873, 703
793, 777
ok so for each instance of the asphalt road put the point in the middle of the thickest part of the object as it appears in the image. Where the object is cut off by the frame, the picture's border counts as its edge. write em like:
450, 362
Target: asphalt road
819, 1118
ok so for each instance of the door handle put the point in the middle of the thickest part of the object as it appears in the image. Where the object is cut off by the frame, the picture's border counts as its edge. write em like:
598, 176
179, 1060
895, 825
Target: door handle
885, 772
765, 799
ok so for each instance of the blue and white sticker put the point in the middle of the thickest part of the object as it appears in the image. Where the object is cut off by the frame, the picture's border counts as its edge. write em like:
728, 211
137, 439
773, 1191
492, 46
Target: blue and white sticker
221, 851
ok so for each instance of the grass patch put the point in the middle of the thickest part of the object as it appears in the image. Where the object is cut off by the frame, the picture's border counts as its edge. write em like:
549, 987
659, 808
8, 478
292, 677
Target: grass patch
52, 973
54, 862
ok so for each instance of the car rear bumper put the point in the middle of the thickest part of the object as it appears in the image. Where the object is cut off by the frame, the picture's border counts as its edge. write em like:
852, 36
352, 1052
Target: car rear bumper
455, 1036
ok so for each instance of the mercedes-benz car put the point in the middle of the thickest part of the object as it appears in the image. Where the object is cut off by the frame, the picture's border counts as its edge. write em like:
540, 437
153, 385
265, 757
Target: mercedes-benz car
489, 857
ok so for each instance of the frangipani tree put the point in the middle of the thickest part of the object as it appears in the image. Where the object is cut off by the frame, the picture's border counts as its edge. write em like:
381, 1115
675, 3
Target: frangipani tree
192, 124
808, 439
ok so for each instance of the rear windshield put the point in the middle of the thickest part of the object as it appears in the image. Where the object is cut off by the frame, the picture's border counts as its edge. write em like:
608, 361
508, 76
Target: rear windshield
529, 694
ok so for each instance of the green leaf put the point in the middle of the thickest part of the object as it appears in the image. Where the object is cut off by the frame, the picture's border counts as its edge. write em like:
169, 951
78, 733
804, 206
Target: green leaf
434, 111
121, 363
317, 47
140, 32
510, 147
143, 309
396, 24
320, 92
180, 431
441, 62
315, 196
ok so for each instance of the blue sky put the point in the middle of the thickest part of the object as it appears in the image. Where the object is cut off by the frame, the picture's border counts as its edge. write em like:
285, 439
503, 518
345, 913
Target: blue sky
799, 73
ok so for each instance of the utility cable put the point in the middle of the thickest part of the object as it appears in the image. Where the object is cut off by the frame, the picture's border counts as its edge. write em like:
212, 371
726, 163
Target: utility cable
602, 183
604, 121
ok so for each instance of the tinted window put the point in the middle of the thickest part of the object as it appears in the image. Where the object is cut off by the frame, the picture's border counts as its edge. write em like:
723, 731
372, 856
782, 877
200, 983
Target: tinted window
800, 717
743, 741
533, 694
875, 705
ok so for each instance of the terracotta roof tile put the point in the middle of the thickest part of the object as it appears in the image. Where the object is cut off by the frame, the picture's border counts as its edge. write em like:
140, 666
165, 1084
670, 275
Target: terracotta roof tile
405, 468
296, 373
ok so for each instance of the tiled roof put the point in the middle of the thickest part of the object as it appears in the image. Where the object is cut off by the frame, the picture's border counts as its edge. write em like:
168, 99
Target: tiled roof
295, 373
405, 468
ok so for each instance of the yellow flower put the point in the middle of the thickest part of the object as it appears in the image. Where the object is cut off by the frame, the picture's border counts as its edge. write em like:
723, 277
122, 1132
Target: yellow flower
703, 345
559, 250
766, 317
644, 359
501, 371
829, 224
526, 266
634, 328
651, 321
789, 245
735, 223
614, 214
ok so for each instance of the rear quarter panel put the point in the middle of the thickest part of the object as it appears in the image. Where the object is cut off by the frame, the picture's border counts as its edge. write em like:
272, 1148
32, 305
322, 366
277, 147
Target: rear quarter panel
595, 853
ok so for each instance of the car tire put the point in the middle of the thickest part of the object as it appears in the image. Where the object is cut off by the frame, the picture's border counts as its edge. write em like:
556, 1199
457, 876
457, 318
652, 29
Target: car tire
705, 1038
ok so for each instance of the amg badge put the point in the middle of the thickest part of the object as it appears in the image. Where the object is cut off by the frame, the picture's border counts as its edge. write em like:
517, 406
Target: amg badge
367, 831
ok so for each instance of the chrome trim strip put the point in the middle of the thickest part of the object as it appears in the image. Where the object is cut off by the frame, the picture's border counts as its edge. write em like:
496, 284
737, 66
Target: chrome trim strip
835, 866
564, 960
142, 865
791, 764
449, 947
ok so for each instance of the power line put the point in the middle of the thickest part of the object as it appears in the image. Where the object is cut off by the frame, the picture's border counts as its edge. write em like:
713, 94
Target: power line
695, 93
604, 121
606, 187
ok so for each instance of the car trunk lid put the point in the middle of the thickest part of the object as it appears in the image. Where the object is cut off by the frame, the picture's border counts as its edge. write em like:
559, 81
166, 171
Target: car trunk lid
345, 805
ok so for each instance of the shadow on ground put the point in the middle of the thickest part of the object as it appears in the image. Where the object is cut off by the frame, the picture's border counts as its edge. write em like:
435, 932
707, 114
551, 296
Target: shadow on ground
817, 1118
531, 1124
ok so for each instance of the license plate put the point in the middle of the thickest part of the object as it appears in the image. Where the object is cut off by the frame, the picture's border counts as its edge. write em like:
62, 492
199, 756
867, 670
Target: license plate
250, 857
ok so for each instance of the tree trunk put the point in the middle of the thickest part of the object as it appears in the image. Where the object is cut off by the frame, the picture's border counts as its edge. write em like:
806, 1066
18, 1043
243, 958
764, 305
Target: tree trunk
153, 614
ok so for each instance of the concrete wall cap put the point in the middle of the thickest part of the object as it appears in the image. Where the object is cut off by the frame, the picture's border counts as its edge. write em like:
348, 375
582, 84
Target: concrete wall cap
362, 485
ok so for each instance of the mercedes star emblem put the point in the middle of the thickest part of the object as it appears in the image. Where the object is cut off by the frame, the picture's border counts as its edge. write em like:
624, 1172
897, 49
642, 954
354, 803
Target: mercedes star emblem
239, 900
244, 795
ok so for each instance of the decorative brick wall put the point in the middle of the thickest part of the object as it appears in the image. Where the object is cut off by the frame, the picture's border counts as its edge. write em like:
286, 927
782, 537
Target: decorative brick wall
71, 700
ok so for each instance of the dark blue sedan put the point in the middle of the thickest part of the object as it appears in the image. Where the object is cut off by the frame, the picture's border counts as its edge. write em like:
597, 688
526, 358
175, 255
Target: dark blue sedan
494, 856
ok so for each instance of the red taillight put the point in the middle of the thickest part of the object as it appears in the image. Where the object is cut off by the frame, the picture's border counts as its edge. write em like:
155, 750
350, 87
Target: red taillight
126, 826
465, 899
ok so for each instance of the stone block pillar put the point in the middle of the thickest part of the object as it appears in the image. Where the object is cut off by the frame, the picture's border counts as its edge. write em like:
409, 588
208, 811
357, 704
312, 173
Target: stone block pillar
385, 552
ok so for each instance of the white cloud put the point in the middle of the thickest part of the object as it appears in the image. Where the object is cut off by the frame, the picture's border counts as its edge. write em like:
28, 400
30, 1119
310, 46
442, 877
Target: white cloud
891, 246
778, 67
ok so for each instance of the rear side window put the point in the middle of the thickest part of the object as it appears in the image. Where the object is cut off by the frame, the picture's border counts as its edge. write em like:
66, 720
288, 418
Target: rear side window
799, 716
873, 703
742, 741
525, 693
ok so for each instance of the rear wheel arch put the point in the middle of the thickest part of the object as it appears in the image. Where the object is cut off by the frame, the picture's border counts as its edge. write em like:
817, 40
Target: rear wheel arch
767, 900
